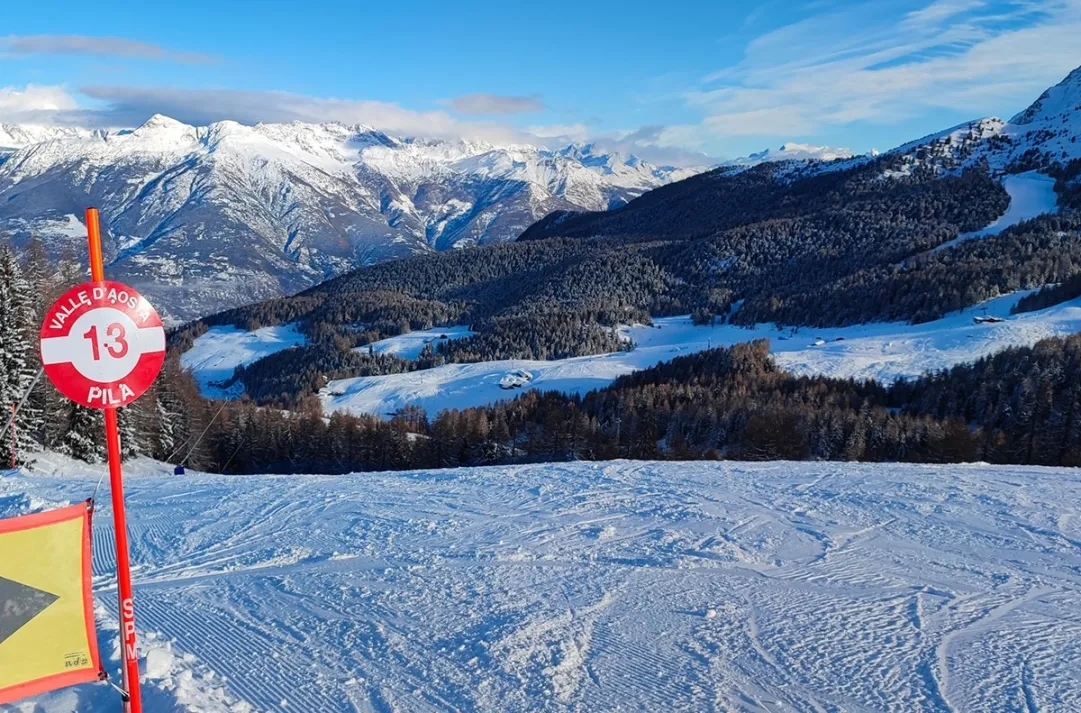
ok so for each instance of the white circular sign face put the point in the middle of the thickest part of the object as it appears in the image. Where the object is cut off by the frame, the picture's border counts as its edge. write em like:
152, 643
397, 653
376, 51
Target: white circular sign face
102, 344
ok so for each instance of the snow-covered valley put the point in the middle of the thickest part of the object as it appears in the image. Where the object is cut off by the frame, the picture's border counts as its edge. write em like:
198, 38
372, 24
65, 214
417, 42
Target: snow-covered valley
883, 351
594, 587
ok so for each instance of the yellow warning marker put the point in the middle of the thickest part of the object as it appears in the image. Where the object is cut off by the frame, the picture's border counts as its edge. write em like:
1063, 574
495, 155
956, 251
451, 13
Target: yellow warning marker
47, 636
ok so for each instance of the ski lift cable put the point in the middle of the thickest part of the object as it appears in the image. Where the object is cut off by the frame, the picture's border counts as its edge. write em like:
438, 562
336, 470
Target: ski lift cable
205, 430
176, 451
228, 462
22, 402
184, 444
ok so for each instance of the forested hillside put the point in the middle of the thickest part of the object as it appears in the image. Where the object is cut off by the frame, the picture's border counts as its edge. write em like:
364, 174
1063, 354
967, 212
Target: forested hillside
1019, 406
839, 247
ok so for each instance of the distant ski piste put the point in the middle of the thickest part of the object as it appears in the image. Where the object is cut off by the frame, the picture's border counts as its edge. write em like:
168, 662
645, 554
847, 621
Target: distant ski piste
218, 353
410, 346
591, 588
1031, 194
885, 351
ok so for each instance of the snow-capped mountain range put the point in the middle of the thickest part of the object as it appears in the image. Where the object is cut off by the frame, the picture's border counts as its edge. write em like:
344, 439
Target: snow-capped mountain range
209, 217
793, 152
204, 218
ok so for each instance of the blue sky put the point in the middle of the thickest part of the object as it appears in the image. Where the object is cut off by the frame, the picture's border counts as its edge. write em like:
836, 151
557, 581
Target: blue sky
669, 81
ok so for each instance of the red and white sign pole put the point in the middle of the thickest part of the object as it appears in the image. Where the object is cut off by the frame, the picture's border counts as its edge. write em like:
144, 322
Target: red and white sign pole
102, 346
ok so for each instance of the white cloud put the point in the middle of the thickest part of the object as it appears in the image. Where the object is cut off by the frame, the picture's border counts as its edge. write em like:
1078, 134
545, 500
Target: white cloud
125, 107
34, 103
940, 10
866, 64
860, 65
663, 145
96, 46
576, 132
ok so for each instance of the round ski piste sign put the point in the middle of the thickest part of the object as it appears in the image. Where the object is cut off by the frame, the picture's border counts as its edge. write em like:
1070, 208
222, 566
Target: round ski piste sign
102, 344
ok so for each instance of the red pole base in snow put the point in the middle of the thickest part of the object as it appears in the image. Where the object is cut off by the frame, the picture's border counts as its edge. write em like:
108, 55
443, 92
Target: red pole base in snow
130, 652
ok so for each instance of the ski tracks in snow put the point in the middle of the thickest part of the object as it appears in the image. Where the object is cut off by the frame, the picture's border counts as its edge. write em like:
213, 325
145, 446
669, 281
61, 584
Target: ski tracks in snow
813, 587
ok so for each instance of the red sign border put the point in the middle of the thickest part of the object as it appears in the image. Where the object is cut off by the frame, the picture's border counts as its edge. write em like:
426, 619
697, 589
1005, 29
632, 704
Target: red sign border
67, 379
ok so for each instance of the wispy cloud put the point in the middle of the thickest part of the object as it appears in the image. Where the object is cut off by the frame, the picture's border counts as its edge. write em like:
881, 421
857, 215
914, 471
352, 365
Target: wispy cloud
96, 46
861, 65
495, 104
940, 11
34, 103
658, 143
128, 105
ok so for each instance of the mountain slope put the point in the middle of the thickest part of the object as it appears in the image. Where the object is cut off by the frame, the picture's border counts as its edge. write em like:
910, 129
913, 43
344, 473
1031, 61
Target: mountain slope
203, 218
1045, 136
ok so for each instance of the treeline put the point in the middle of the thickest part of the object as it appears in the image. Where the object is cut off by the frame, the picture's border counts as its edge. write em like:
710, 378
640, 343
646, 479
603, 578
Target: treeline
724, 199
280, 377
1019, 406
1067, 183
930, 285
1049, 296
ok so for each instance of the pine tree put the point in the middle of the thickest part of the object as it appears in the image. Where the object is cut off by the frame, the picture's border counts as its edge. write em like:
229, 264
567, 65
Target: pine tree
132, 433
41, 276
172, 420
85, 439
17, 365
166, 432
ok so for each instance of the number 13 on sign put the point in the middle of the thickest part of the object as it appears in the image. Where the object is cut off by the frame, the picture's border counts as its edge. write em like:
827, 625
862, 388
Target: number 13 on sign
117, 348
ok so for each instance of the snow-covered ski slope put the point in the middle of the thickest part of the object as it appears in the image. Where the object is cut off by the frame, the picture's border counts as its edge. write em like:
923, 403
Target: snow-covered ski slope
1031, 194
619, 586
222, 349
409, 346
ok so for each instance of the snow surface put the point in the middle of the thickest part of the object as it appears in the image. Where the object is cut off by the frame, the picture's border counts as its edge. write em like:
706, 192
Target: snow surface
630, 586
215, 355
882, 351
409, 346
1031, 194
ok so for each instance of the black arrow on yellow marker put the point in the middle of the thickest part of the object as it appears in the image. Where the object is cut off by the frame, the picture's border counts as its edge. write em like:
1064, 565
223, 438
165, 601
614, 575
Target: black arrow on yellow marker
19, 604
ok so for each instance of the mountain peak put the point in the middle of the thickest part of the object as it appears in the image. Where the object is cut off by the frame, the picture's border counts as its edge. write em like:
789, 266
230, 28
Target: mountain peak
160, 121
289, 204
577, 150
1063, 98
